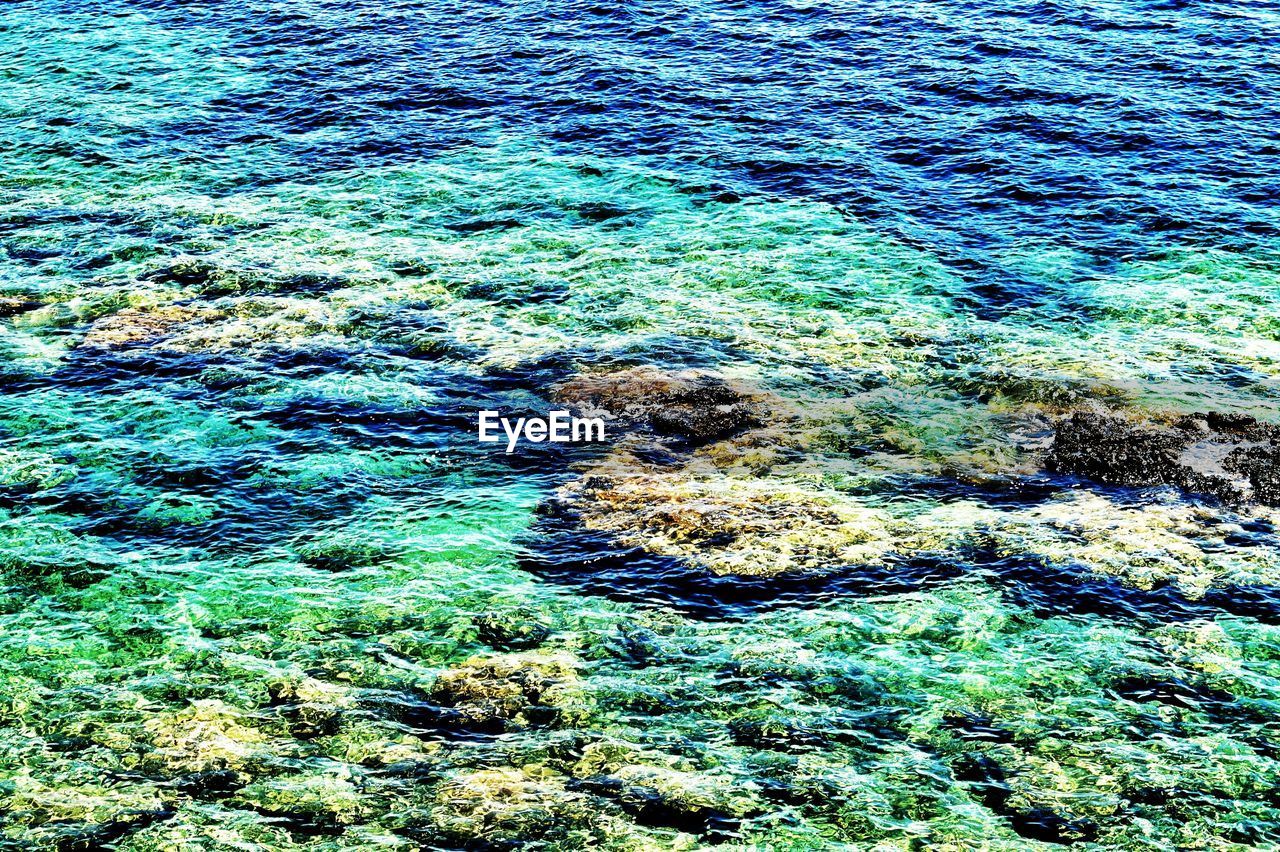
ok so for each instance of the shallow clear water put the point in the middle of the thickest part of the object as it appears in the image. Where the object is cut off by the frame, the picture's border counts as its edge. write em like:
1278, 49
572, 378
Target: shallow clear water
263, 263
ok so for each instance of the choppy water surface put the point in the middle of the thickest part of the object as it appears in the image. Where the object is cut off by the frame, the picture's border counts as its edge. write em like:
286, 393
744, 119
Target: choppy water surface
262, 263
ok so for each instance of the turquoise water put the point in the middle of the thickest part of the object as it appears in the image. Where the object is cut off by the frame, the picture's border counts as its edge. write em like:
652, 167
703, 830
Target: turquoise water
263, 589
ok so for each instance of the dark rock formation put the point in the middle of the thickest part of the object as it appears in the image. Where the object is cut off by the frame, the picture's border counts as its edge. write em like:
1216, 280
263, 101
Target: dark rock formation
337, 553
209, 784
11, 306
73, 837
664, 808
510, 632
1261, 464
691, 404
988, 781
777, 735
1230, 457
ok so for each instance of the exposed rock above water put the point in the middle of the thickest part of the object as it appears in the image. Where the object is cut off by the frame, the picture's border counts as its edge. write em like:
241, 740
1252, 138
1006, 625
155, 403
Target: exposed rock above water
1233, 458
692, 404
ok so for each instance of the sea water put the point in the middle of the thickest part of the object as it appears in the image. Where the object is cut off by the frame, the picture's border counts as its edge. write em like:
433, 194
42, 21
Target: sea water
261, 587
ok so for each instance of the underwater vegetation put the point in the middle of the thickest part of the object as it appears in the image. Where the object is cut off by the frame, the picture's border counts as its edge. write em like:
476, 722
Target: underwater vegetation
939, 350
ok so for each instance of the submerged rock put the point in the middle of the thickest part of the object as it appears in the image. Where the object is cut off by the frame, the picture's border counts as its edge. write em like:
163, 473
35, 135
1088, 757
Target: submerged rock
209, 784
211, 278
311, 707
104, 835
659, 790
509, 691
337, 552
746, 508
1023, 385
1233, 458
510, 808
208, 735
510, 631
744, 527
82, 807
309, 805
692, 404
988, 781
143, 325
777, 734
13, 305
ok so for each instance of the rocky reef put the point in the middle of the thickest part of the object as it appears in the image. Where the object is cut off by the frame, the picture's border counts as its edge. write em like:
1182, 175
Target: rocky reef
740, 526
510, 692
860, 566
698, 406
1233, 458
749, 504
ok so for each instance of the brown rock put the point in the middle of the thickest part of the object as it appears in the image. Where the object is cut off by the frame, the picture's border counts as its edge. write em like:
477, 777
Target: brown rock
139, 325
692, 404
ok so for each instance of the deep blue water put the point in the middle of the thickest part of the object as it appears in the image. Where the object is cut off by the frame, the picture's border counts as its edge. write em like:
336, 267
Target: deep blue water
1111, 129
